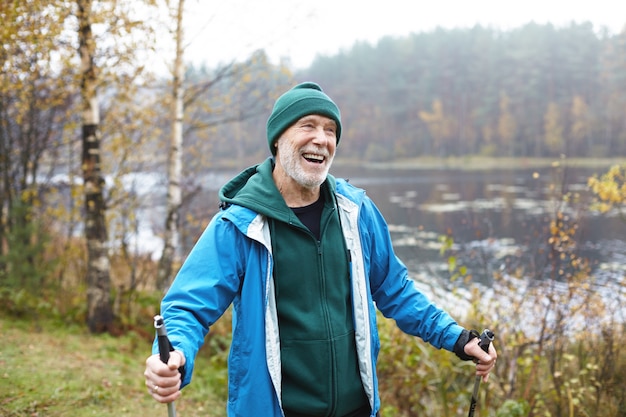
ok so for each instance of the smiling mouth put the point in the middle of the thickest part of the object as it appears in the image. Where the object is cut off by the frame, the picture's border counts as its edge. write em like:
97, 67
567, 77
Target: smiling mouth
314, 158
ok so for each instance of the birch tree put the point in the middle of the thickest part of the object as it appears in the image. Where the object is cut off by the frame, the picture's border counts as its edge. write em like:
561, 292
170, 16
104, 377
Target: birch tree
99, 308
174, 193
228, 96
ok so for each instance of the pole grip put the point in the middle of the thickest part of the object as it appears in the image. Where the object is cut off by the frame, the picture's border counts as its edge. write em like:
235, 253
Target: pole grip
165, 346
485, 339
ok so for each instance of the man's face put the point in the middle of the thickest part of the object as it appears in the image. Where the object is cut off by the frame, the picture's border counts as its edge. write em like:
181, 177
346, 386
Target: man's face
306, 150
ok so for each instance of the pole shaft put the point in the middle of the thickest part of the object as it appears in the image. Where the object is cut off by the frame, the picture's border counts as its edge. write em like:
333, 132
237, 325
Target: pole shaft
171, 409
474, 400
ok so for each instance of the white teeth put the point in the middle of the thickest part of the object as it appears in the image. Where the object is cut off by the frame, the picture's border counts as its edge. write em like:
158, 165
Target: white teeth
313, 156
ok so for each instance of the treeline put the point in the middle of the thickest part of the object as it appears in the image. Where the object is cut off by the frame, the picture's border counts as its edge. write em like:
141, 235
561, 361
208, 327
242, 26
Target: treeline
534, 91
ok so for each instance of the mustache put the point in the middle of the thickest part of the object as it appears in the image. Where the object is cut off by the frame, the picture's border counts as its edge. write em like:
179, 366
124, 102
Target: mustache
318, 151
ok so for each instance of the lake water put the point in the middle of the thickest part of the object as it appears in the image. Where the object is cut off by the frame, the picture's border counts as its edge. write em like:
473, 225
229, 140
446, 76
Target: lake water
497, 218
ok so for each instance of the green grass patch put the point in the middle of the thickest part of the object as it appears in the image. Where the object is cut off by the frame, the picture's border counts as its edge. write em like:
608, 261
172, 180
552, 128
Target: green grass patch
48, 369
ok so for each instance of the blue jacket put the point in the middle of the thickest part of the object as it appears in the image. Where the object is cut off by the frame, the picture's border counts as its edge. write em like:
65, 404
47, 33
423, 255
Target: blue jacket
232, 264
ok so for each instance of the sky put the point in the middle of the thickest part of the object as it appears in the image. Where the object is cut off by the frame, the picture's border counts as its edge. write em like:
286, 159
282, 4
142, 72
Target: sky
220, 31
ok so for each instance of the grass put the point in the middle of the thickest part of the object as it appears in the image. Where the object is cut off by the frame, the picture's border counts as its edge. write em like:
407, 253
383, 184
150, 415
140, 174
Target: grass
51, 370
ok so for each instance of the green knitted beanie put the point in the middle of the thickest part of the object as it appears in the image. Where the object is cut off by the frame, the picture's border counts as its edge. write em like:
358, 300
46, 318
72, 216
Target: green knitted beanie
302, 100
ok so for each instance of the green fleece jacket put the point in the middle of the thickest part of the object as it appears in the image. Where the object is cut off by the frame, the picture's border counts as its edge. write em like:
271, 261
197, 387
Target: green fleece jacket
320, 374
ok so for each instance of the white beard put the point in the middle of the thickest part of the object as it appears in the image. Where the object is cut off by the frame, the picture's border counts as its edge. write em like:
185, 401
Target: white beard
291, 162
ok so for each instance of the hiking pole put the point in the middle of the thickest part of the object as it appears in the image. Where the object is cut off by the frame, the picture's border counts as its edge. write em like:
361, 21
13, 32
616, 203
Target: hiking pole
165, 347
484, 341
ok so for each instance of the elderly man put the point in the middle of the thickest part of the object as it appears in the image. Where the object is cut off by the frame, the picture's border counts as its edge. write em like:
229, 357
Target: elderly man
305, 259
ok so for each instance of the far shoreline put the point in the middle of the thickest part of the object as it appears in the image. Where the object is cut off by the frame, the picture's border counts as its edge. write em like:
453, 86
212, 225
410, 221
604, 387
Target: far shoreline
481, 163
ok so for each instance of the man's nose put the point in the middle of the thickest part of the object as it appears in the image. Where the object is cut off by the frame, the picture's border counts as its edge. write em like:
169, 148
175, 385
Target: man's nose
321, 136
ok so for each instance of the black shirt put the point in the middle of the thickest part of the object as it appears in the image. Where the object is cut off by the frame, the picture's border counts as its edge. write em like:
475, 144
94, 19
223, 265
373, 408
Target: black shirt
310, 215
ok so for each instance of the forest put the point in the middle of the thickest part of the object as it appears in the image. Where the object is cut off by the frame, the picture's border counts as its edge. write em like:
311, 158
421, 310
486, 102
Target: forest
535, 91
85, 124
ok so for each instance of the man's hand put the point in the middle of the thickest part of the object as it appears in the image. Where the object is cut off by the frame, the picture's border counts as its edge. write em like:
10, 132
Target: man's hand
485, 361
163, 380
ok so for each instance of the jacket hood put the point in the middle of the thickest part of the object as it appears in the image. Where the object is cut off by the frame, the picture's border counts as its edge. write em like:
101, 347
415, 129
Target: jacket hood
254, 188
